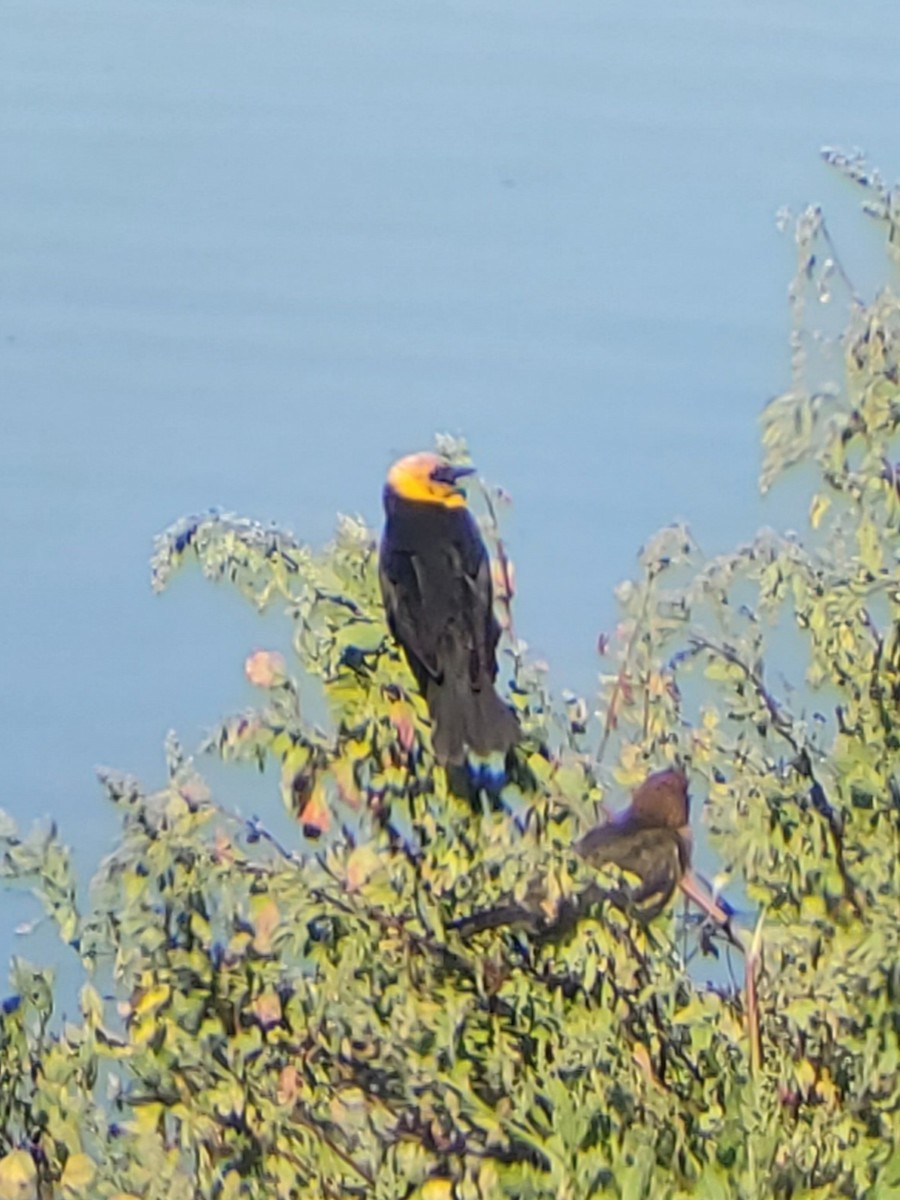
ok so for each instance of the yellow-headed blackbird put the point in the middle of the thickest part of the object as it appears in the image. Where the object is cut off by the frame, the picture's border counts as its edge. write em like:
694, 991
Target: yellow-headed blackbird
436, 583
650, 839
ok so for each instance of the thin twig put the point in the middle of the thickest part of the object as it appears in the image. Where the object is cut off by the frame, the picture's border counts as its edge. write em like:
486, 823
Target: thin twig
502, 560
750, 969
332, 1145
609, 719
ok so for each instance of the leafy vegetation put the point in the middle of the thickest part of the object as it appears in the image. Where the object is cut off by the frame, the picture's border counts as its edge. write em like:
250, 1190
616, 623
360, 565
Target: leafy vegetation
261, 1019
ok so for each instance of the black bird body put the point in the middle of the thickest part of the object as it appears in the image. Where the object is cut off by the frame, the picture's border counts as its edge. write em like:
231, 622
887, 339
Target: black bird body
436, 584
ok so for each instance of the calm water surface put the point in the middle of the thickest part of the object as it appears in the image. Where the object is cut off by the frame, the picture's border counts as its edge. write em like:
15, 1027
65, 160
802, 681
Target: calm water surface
251, 252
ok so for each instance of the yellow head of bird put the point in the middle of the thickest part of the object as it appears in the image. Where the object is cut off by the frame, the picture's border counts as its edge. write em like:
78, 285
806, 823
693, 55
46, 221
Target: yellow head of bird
428, 479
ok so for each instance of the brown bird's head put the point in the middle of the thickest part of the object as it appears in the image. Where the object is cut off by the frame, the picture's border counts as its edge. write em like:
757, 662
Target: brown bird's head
661, 801
427, 478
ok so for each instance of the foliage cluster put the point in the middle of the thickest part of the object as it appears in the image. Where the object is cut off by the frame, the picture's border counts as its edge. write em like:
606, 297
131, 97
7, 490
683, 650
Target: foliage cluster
262, 1019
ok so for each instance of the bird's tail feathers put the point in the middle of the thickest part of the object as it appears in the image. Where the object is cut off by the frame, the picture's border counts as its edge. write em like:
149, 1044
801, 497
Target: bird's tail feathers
471, 719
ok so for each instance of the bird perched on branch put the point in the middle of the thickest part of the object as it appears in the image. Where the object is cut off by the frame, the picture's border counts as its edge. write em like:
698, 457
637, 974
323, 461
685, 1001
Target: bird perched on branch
436, 584
650, 839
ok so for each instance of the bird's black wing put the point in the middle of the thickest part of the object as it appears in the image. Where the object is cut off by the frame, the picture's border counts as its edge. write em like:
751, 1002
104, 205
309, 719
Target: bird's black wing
407, 619
483, 630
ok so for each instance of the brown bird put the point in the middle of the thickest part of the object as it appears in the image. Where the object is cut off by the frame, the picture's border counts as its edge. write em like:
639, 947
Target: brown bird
650, 839
436, 584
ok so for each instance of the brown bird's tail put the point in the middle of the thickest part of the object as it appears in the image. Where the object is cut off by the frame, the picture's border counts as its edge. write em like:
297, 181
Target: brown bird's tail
469, 718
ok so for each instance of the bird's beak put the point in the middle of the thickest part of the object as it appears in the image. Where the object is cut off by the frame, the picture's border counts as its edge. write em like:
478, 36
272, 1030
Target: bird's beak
449, 476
